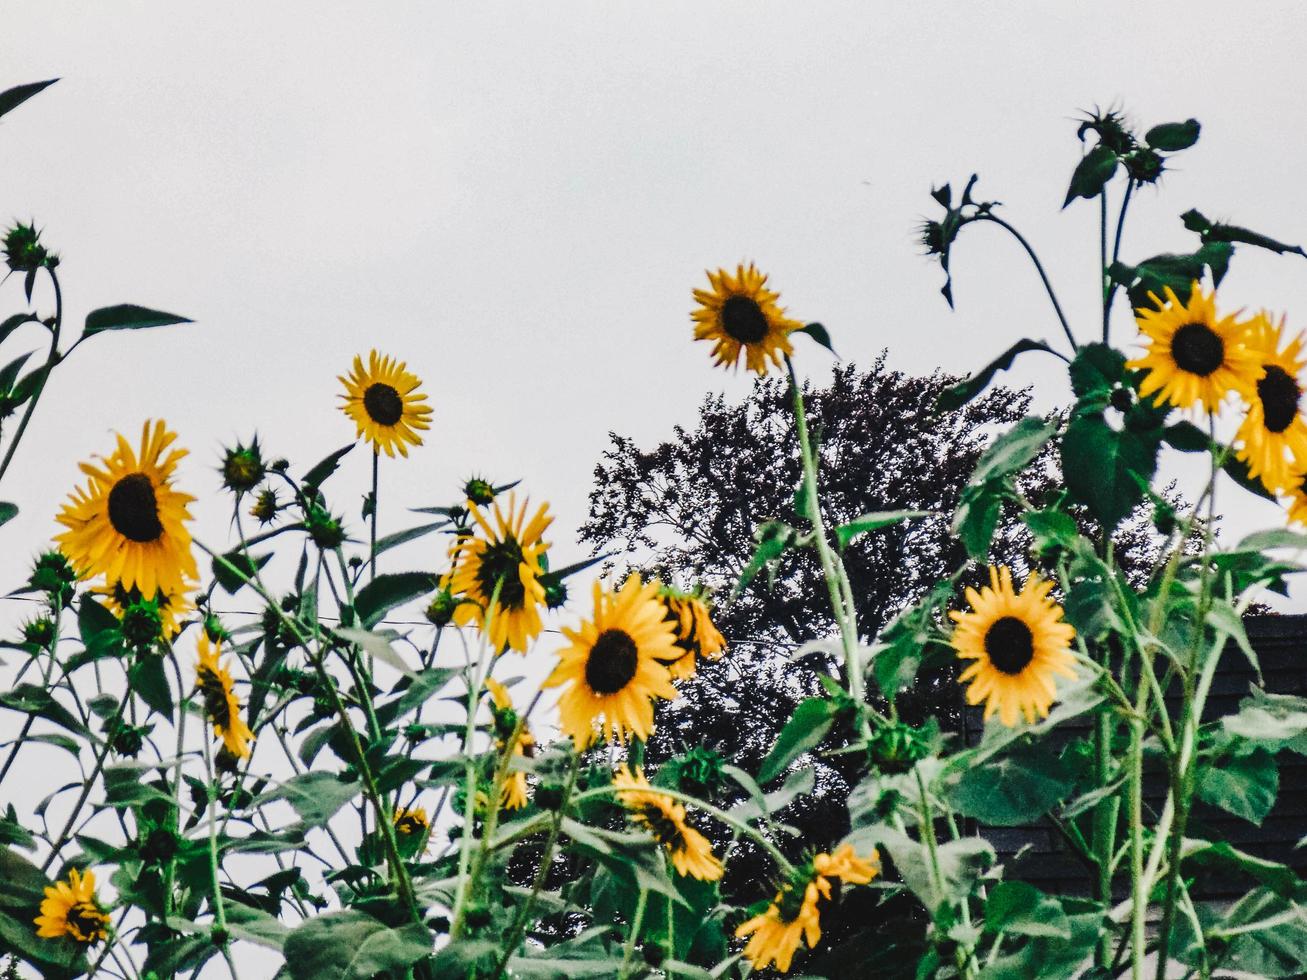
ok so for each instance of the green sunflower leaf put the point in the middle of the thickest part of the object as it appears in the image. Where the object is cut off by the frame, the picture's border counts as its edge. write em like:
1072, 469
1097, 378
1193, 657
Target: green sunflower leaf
126, 316
1106, 469
818, 333
1215, 231
9, 373
319, 473
1237, 470
350, 945
964, 391
874, 522
385, 592
235, 568
1173, 137
11, 99
773, 539
805, 730
1021, 909
1245, 785
8, 512
10, 324
1093, 171
1016, 788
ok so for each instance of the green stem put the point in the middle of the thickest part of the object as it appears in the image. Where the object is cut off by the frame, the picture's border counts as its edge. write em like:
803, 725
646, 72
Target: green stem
87, 784
219, 910
1138, 893
1043, 276
372, 553
50, 361
637, 925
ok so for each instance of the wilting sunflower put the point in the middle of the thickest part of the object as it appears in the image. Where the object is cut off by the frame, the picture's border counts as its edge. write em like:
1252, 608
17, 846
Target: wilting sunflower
129, 522
740, 312
794, 914
508, 556
665, 819
1193, 354
170, 606
1017, 642
70, 909
696, 636
612, 667
513, 796
1273, 435
385, 404
220, 704
411, 822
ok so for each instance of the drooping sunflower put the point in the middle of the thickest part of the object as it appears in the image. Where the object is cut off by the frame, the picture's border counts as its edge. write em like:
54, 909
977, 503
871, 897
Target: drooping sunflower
411, 822
665, 819
740, 313
1273, 436
794, 913
385, 404
170, 606
696, 636
507, 555
513, 796
214, 682
1017, 642
1193, 355
129, 524
71, 909
611, 670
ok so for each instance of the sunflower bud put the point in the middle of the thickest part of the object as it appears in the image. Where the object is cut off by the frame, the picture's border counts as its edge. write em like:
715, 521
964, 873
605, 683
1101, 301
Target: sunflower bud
243, 468
1111, 130
895, 748
933, 239
479, 491
326, 531
53, 575
700, 772
39, 632
23, 249
158, 847
214, 629
226, 761
128, 741
141, 624
265, 506
440, 610
555, 593
280, 465
1145, 165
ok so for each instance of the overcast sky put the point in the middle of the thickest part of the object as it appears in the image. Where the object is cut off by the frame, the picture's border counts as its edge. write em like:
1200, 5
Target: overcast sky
517, 199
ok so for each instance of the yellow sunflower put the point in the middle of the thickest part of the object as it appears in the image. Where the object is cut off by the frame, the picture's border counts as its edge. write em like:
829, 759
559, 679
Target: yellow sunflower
129, 522
1017, 642
665, 819
215, 683
611, 669
1273, 434
513, 796
1193, 354
794, 914
171, 606
412, 823
696, 636
740, 312
70, 909
385, 404
1295, 490
508, 555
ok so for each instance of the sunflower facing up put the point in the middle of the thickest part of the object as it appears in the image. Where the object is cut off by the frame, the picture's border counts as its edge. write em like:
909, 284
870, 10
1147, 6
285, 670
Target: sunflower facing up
1017, 642
1193, 354
611, 670
696, 636
665, 819
385, 404
508, 555
214, 682
794, 913
71, 909
129, 524
740, 313
1273, 436
513, 796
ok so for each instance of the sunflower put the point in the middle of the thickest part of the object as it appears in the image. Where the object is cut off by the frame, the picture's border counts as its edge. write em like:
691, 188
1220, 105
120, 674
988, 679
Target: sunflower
215, 683
129, 522
509, 555
1194, 354
71, 909
411, 822
513, 796
612, 667
1273, 425
741, 312
696, 636
664, 817
384, 403
794, 914
1017, 641
170, 606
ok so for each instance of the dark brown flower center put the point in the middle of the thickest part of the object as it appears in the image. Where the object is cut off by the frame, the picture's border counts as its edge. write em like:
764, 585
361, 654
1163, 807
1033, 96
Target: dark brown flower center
1279, 393
134, 510
85, 922
744, 320
1010, 645
663, 827
500, 563
410, 824
215, 698
1198, 349
612, 662
383, 404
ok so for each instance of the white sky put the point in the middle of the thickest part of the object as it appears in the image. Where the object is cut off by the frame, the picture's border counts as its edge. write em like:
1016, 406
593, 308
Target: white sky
518, 198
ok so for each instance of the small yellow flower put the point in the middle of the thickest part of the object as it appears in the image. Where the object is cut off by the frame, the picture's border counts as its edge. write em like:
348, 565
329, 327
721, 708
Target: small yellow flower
384, 402
665, 819
1193, 355
740, 313
514, 794
70, 909
1273, 436
611, 670
411, 823
1017, 642
129, 524
696, 636
224, 711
